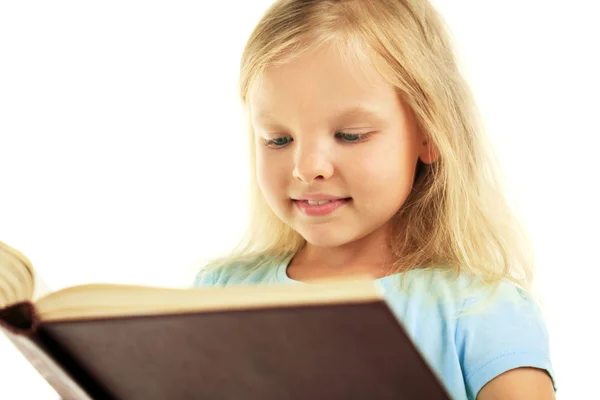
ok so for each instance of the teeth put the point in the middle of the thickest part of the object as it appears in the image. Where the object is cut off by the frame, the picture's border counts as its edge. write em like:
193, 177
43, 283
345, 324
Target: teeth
317, 202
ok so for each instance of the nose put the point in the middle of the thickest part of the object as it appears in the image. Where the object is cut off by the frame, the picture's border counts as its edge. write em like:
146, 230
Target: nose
312, 162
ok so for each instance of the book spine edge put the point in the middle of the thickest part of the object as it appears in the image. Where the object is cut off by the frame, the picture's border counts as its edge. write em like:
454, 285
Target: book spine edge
26, 341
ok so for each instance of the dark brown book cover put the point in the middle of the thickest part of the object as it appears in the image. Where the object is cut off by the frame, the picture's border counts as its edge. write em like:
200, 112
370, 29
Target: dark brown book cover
331, 351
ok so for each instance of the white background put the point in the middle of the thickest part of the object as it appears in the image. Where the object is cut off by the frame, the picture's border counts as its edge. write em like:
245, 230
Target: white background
122, 153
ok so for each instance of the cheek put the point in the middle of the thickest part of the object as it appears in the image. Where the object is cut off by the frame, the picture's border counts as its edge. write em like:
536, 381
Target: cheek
385, 176
269, 176
262, 175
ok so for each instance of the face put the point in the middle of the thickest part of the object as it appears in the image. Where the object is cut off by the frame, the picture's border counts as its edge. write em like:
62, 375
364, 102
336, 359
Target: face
337, 134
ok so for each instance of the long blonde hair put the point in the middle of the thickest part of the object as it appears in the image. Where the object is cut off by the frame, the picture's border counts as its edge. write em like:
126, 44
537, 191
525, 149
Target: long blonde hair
457, 216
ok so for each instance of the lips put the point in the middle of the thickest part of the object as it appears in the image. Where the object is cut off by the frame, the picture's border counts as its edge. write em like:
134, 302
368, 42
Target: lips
318, 197
319, 208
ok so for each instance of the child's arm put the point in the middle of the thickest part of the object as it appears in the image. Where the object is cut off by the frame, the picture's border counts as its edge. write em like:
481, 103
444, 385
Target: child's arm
503, 347
519, 383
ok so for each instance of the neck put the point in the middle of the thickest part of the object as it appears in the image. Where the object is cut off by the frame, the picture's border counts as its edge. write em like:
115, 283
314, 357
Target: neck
369, 256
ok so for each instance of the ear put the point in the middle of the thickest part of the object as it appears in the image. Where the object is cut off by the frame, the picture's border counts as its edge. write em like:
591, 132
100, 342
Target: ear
429, 152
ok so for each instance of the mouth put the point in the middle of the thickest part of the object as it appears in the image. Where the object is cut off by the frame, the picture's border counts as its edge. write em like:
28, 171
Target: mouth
320, 207
321, 202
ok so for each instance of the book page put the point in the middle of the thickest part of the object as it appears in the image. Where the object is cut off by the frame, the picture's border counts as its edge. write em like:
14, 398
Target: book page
97, 300
41, 289
16, 276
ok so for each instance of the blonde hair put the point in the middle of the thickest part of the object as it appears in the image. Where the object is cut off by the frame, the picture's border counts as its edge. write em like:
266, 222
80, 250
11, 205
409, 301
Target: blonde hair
457, 217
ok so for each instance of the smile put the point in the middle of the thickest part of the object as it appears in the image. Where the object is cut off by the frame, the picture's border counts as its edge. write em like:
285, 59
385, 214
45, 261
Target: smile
317, 208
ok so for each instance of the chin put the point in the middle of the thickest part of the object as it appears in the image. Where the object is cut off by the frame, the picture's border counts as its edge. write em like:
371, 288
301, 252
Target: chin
327, 237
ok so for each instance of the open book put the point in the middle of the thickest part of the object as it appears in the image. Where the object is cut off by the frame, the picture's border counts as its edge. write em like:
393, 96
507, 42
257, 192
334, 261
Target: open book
329, 340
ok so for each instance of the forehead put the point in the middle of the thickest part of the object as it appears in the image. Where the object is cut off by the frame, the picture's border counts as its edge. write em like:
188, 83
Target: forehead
320, 83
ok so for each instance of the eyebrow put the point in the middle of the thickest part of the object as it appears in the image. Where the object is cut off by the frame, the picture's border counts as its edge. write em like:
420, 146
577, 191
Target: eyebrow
345, 115
358, 112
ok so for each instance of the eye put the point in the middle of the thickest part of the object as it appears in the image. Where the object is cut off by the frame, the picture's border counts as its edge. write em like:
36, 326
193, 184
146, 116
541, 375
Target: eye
351, 137
278, 142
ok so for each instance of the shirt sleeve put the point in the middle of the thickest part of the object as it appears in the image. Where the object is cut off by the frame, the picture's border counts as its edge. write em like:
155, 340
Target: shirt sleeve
499, 333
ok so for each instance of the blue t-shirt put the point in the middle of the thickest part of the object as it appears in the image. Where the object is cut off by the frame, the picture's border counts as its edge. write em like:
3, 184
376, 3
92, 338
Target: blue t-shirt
468, 337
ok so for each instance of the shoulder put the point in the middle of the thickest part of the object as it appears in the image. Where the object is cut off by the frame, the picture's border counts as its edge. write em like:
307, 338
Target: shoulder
255, 269
471, 332
498, 330
470, 296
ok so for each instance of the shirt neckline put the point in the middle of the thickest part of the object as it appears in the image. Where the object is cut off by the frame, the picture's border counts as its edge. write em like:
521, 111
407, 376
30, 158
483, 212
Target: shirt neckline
282, 277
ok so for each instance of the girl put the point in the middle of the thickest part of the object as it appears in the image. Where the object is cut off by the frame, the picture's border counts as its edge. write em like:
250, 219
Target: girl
367, 158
